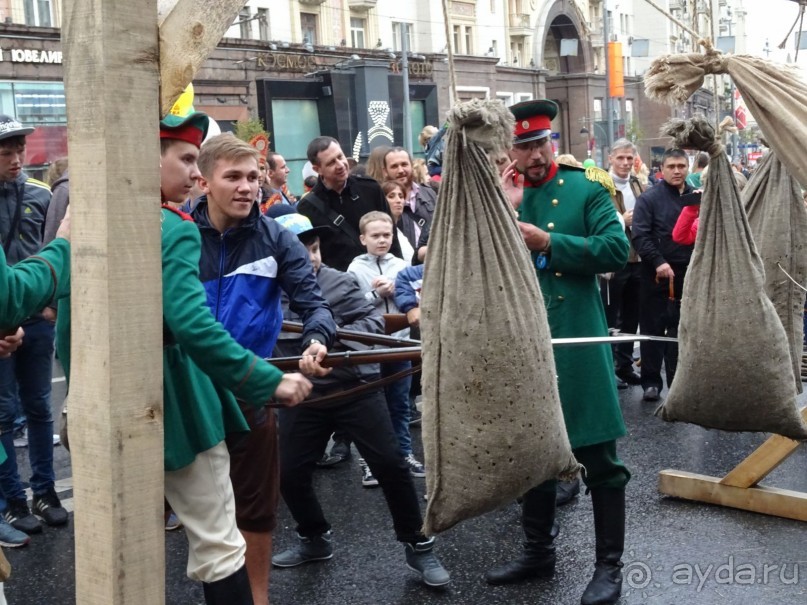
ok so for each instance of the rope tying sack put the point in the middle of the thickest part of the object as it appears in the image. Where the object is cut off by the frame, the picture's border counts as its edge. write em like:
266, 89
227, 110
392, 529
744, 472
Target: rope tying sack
775, 94
492, 426
734, 371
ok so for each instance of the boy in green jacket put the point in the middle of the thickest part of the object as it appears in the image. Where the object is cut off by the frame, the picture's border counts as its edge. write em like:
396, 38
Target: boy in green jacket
198, 352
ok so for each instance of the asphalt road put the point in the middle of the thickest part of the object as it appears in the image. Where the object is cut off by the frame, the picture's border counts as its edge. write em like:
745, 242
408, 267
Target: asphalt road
678, 553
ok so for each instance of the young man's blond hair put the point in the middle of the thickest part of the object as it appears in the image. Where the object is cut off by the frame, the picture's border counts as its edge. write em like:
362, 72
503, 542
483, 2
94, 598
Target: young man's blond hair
224, 147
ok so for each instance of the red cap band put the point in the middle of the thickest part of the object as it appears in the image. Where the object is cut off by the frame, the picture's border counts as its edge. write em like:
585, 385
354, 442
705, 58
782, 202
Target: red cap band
532, 124
188, 133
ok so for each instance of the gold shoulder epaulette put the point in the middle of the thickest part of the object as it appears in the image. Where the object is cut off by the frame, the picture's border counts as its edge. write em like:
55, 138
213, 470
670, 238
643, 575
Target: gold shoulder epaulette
598, 175
38, 183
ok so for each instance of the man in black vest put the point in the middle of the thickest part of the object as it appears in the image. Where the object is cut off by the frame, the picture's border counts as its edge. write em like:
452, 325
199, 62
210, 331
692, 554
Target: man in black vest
339, 200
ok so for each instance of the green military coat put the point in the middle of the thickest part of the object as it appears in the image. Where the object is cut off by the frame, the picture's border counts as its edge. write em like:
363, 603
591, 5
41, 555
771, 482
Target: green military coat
31, 284
198, 352
587, 239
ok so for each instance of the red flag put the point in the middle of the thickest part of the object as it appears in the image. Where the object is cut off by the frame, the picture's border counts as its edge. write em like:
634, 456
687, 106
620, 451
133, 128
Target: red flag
740, 118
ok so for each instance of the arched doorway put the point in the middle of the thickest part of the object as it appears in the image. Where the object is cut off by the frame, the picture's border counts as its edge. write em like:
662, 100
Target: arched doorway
559, 35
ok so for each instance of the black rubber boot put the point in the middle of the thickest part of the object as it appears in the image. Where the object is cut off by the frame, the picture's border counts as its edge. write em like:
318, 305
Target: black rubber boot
232, 590
540, 529
605, 586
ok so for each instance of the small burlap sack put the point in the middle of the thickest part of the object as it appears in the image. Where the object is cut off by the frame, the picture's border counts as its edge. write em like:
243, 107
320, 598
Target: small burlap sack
775, 94
778, 221
493, 427
734, 370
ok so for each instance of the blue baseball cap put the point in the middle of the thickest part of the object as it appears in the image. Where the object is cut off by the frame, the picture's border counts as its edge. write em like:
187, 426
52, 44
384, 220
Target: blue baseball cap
299, 224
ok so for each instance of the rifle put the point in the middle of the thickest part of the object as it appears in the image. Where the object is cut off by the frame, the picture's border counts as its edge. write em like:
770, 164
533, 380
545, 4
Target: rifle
367, 338
290, 364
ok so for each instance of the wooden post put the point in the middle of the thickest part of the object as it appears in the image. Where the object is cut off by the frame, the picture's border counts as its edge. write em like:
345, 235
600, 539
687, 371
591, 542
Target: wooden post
111, 83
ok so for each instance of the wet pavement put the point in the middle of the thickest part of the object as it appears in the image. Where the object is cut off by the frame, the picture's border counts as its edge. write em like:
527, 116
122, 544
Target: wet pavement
677, 552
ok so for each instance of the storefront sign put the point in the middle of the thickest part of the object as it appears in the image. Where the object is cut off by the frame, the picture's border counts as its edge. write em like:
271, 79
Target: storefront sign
27, 55
416, 69
286, 62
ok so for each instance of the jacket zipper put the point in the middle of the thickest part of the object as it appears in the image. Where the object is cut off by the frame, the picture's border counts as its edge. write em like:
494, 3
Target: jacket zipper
222, 254
381, 272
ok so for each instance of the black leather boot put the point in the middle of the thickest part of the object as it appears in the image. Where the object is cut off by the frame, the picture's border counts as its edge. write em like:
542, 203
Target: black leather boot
232, 590
605, 586
540, 529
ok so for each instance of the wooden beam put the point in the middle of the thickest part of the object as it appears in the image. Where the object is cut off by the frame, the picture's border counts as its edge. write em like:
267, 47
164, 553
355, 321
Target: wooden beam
763, 460
189, 31
111, 83
702, 488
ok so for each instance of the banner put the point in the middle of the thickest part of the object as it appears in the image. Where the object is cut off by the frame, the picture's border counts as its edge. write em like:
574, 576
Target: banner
616, 82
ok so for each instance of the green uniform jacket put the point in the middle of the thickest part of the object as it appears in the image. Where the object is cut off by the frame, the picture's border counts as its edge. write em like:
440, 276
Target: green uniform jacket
587, 239
201, 352
27, 287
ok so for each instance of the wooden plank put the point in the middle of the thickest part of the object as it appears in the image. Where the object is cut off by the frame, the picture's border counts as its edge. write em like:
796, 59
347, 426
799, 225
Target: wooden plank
702, 488
189, 31
763, 460
111, 83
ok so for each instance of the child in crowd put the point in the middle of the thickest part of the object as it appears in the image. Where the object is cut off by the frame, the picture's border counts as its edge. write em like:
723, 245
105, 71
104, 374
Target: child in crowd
376, 272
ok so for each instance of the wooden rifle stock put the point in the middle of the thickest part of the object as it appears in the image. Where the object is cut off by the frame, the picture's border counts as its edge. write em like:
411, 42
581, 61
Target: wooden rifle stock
368, 338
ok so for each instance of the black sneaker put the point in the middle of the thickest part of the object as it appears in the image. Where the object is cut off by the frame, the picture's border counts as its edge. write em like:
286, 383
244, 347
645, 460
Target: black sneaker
317, 548
415, 417
19, 517
367, 479
48, 508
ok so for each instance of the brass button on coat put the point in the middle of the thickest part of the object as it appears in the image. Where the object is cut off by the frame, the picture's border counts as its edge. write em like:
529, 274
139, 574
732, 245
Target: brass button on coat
555, 202
558, 274
550, 226
561, 298
560, 182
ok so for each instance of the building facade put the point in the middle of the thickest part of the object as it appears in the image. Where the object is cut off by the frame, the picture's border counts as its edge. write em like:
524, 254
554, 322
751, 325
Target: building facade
334, 67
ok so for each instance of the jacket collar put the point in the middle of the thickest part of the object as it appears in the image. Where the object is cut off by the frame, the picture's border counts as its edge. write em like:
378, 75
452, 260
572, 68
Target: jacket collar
201, 215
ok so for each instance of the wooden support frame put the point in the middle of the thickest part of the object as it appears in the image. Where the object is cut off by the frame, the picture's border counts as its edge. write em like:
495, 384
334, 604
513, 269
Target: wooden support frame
739, 488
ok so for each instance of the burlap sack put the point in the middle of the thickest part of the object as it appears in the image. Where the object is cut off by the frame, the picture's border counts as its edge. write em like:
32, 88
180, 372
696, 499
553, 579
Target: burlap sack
778, 221
775, 94
734, 370
493, 427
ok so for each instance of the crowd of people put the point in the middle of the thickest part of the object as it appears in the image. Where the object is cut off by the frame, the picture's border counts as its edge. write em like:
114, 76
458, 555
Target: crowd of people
242, 253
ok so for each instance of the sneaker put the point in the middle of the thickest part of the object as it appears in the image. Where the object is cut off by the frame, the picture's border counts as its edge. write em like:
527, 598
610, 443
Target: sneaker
21, 438
48, 508
317, 548
420, 558
20, 518
10, 537
415, 467
415, 417
339, 453
173, 522
367, 479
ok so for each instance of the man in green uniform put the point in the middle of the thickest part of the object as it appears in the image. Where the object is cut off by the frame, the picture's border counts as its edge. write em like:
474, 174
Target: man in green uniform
569, 223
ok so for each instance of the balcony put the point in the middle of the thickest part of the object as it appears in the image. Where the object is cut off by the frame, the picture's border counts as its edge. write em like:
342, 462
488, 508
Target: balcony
312, 2
520, 24
362, 5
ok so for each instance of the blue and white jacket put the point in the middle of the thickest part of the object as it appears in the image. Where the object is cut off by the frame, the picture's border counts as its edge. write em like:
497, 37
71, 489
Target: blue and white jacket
408, 284
244, 271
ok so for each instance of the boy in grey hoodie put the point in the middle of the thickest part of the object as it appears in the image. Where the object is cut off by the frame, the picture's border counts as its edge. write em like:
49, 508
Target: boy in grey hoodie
376, 272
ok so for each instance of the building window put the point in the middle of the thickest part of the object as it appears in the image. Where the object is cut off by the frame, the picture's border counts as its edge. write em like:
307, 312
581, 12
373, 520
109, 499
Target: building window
38, 13
457, 39
244, 23
357, 32
263, 23
469, 37
397, 35
495, 46
308, 25
598, 109
629, 110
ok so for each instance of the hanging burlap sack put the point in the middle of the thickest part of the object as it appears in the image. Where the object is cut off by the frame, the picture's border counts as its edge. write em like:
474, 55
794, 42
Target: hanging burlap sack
778, 221
493, 427
734, 370
775, 94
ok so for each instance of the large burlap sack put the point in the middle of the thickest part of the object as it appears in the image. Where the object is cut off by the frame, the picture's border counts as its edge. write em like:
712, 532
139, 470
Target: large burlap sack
778, 221
734, 370
775, 94
493, 427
